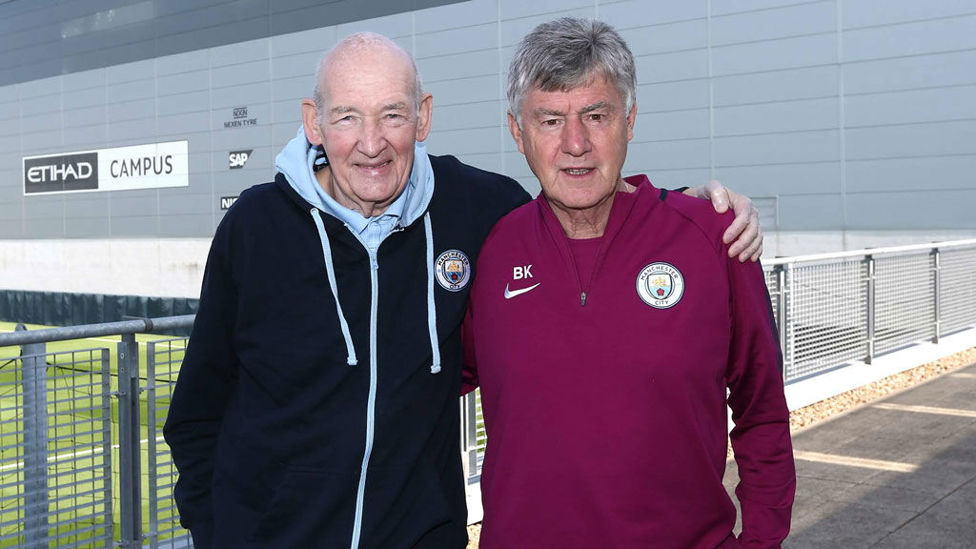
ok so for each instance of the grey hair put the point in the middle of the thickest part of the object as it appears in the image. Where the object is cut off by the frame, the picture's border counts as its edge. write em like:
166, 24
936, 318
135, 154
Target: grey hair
360, 41
565, 54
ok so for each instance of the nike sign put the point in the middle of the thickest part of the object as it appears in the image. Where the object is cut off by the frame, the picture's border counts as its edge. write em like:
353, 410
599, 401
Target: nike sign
509, 294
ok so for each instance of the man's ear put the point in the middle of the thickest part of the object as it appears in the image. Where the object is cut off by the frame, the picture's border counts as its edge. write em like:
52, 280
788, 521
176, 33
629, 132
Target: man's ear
310, 121
513, 127
631, 118
424, 116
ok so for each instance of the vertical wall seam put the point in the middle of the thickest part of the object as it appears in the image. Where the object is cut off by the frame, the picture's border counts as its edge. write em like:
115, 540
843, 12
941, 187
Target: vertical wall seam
503, 96
842, 123
711, 91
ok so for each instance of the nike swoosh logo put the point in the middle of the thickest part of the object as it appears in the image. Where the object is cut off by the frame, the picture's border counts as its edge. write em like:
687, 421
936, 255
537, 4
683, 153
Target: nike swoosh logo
509, 294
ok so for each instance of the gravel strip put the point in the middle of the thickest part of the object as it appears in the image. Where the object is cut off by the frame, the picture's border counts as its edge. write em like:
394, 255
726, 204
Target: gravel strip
808, 416
804, 418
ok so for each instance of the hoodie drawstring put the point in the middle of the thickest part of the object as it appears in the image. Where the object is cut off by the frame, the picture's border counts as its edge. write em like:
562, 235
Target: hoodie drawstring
435, 348
330, 271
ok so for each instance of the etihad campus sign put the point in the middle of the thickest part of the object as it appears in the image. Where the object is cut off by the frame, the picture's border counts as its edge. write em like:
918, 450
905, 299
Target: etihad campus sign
123, 168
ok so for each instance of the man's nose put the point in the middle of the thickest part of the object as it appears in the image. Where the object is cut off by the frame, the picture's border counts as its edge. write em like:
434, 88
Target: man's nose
575, 137
373, 139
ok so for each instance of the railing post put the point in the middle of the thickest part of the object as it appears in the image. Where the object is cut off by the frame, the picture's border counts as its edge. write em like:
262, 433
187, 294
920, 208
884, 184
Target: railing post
34, 381
782, 315
870, 309
937, 293
130, 500
469, 433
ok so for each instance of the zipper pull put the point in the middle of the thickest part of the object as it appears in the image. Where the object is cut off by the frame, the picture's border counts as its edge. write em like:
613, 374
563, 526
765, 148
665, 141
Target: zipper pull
582, 299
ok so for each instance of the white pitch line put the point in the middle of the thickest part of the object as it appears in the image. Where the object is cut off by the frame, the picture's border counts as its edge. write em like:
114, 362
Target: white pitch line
70, 455
926, 409
896, 466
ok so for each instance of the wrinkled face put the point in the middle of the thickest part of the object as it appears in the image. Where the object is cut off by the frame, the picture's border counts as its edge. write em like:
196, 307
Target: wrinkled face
575, 142
368, 126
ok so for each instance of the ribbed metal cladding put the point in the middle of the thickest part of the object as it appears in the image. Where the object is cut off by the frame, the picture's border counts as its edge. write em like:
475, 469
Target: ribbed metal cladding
827, 322
163, 359
904, 300
958, 289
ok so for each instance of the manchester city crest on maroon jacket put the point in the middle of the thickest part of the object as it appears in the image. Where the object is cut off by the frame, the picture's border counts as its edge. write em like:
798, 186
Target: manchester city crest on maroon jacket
452, 270
660, 285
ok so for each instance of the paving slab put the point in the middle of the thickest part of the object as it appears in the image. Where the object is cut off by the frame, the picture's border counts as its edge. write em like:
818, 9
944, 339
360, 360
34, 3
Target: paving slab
932, 506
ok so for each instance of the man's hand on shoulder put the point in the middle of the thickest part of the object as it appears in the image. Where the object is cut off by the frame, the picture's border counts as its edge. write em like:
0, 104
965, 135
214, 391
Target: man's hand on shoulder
744, 230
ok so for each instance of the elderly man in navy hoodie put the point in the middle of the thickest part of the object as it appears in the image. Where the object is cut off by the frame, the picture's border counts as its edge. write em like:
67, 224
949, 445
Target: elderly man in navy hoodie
317, 402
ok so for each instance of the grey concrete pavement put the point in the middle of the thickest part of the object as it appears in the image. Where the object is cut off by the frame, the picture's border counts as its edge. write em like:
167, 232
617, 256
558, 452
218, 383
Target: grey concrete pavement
897, 473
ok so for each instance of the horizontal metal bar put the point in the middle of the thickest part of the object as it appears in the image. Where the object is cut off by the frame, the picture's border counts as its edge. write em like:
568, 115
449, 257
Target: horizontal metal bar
140, 326
868, 251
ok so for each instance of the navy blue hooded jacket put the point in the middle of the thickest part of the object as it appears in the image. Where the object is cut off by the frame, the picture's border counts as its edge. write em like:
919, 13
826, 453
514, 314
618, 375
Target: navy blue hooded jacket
282, 442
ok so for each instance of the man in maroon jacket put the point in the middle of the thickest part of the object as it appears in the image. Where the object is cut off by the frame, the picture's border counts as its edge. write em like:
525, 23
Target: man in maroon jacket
608, 329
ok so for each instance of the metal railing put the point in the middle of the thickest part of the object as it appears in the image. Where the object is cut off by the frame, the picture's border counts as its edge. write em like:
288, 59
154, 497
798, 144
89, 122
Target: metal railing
83, 462
75, 441
833, 309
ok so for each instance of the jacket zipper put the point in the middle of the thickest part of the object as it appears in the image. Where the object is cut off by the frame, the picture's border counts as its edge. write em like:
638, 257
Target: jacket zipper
371, 402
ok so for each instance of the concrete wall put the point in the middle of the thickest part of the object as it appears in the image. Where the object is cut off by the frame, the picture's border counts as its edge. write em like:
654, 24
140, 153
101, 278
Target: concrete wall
839, 116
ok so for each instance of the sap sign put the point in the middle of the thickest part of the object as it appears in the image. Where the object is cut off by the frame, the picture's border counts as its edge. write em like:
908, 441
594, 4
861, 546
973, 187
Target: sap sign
237, 159
152, 166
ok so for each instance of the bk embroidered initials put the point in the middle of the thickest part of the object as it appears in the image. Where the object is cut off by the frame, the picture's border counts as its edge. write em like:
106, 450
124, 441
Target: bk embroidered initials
524, 271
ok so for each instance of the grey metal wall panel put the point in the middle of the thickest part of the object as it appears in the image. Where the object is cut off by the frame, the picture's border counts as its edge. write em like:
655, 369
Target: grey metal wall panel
668, 125
770, 24
84, 137
661, 38
916, 173
816, 212
87, 97
739, 6
295, 65
767, 118
922, 71
465, 141
192, 102
185, 226
87, 227
665, 155
779, 148
87, 117
913, 38
461, 65
641, 12
486, 114
781, 85
905, 107
786, 53
899, 210
671, 67
784, 179
462, 90
673, 96
453, 41
183, 62
513, 29
867, 13
135, 225
912, 140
